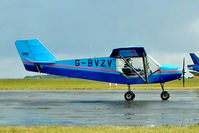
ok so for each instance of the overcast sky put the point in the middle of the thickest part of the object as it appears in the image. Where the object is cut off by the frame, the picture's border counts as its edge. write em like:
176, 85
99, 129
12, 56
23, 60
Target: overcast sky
167, 29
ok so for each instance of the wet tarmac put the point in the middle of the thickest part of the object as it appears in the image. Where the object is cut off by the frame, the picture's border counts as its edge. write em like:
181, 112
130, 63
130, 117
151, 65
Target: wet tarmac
98, 107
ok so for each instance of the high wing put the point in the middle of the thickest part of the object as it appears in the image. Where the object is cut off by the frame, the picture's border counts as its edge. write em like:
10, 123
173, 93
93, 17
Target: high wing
128, 52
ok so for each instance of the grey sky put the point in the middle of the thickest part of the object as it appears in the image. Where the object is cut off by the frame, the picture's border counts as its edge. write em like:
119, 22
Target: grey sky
168, 29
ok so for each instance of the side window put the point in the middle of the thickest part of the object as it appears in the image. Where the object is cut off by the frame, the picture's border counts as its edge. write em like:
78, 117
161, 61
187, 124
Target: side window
120, 64
125, 66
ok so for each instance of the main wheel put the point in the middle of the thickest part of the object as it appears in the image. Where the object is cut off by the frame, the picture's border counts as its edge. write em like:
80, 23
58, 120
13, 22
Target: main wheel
129, 96
165, 95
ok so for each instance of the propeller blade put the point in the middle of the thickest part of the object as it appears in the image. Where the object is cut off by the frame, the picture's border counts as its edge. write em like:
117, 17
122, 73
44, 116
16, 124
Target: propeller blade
183, 72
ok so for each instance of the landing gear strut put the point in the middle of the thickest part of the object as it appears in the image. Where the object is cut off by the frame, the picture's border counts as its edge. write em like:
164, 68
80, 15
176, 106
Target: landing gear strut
164, 95
129, 95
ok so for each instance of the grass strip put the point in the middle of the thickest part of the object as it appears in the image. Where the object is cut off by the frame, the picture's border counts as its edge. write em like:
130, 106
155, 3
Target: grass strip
82, 84
99, 129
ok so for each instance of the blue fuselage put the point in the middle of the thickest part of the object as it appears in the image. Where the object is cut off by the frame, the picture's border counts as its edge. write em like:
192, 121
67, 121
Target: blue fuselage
194, 67
102, 69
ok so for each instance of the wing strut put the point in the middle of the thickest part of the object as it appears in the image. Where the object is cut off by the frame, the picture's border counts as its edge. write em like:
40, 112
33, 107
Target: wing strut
145, 67
133, 68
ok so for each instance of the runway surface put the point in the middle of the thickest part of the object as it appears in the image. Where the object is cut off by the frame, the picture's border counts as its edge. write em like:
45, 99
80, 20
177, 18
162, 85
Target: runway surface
97, 107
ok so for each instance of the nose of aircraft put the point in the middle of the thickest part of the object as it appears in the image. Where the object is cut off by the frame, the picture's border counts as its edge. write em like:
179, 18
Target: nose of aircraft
170, 72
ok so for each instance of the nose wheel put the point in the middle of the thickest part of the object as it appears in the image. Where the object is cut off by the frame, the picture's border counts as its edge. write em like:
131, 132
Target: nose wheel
129, 95
164, 95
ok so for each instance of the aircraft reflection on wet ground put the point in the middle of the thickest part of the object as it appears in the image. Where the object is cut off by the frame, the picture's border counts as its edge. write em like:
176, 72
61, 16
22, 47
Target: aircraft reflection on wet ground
97, 107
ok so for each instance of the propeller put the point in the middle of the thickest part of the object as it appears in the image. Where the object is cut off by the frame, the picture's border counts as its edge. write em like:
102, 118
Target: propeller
183, 72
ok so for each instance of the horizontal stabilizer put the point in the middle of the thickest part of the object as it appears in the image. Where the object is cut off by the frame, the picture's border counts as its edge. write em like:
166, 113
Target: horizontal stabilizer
195, 73
40, 62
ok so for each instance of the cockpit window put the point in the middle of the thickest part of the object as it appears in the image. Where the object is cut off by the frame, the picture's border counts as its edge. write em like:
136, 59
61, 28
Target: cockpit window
128, 65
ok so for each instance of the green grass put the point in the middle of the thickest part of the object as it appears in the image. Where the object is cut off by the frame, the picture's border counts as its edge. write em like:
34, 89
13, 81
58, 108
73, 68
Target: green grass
99, 129
73, 84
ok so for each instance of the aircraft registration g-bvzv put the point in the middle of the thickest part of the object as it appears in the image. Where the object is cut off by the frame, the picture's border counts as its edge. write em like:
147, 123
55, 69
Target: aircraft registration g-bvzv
128, 65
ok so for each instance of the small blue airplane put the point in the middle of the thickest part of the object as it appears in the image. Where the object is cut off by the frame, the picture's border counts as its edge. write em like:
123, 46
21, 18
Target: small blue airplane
127, 65
194, 68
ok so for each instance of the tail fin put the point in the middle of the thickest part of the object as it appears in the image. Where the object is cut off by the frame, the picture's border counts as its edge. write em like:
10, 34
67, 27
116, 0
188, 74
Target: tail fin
194, 58
33, 53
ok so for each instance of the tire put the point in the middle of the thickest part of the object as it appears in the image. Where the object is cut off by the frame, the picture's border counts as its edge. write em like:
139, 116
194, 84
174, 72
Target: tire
129, 96
165, 95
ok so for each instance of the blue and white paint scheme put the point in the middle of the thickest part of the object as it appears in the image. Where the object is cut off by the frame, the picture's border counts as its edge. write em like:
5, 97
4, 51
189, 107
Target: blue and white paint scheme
142, 69
194, 68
